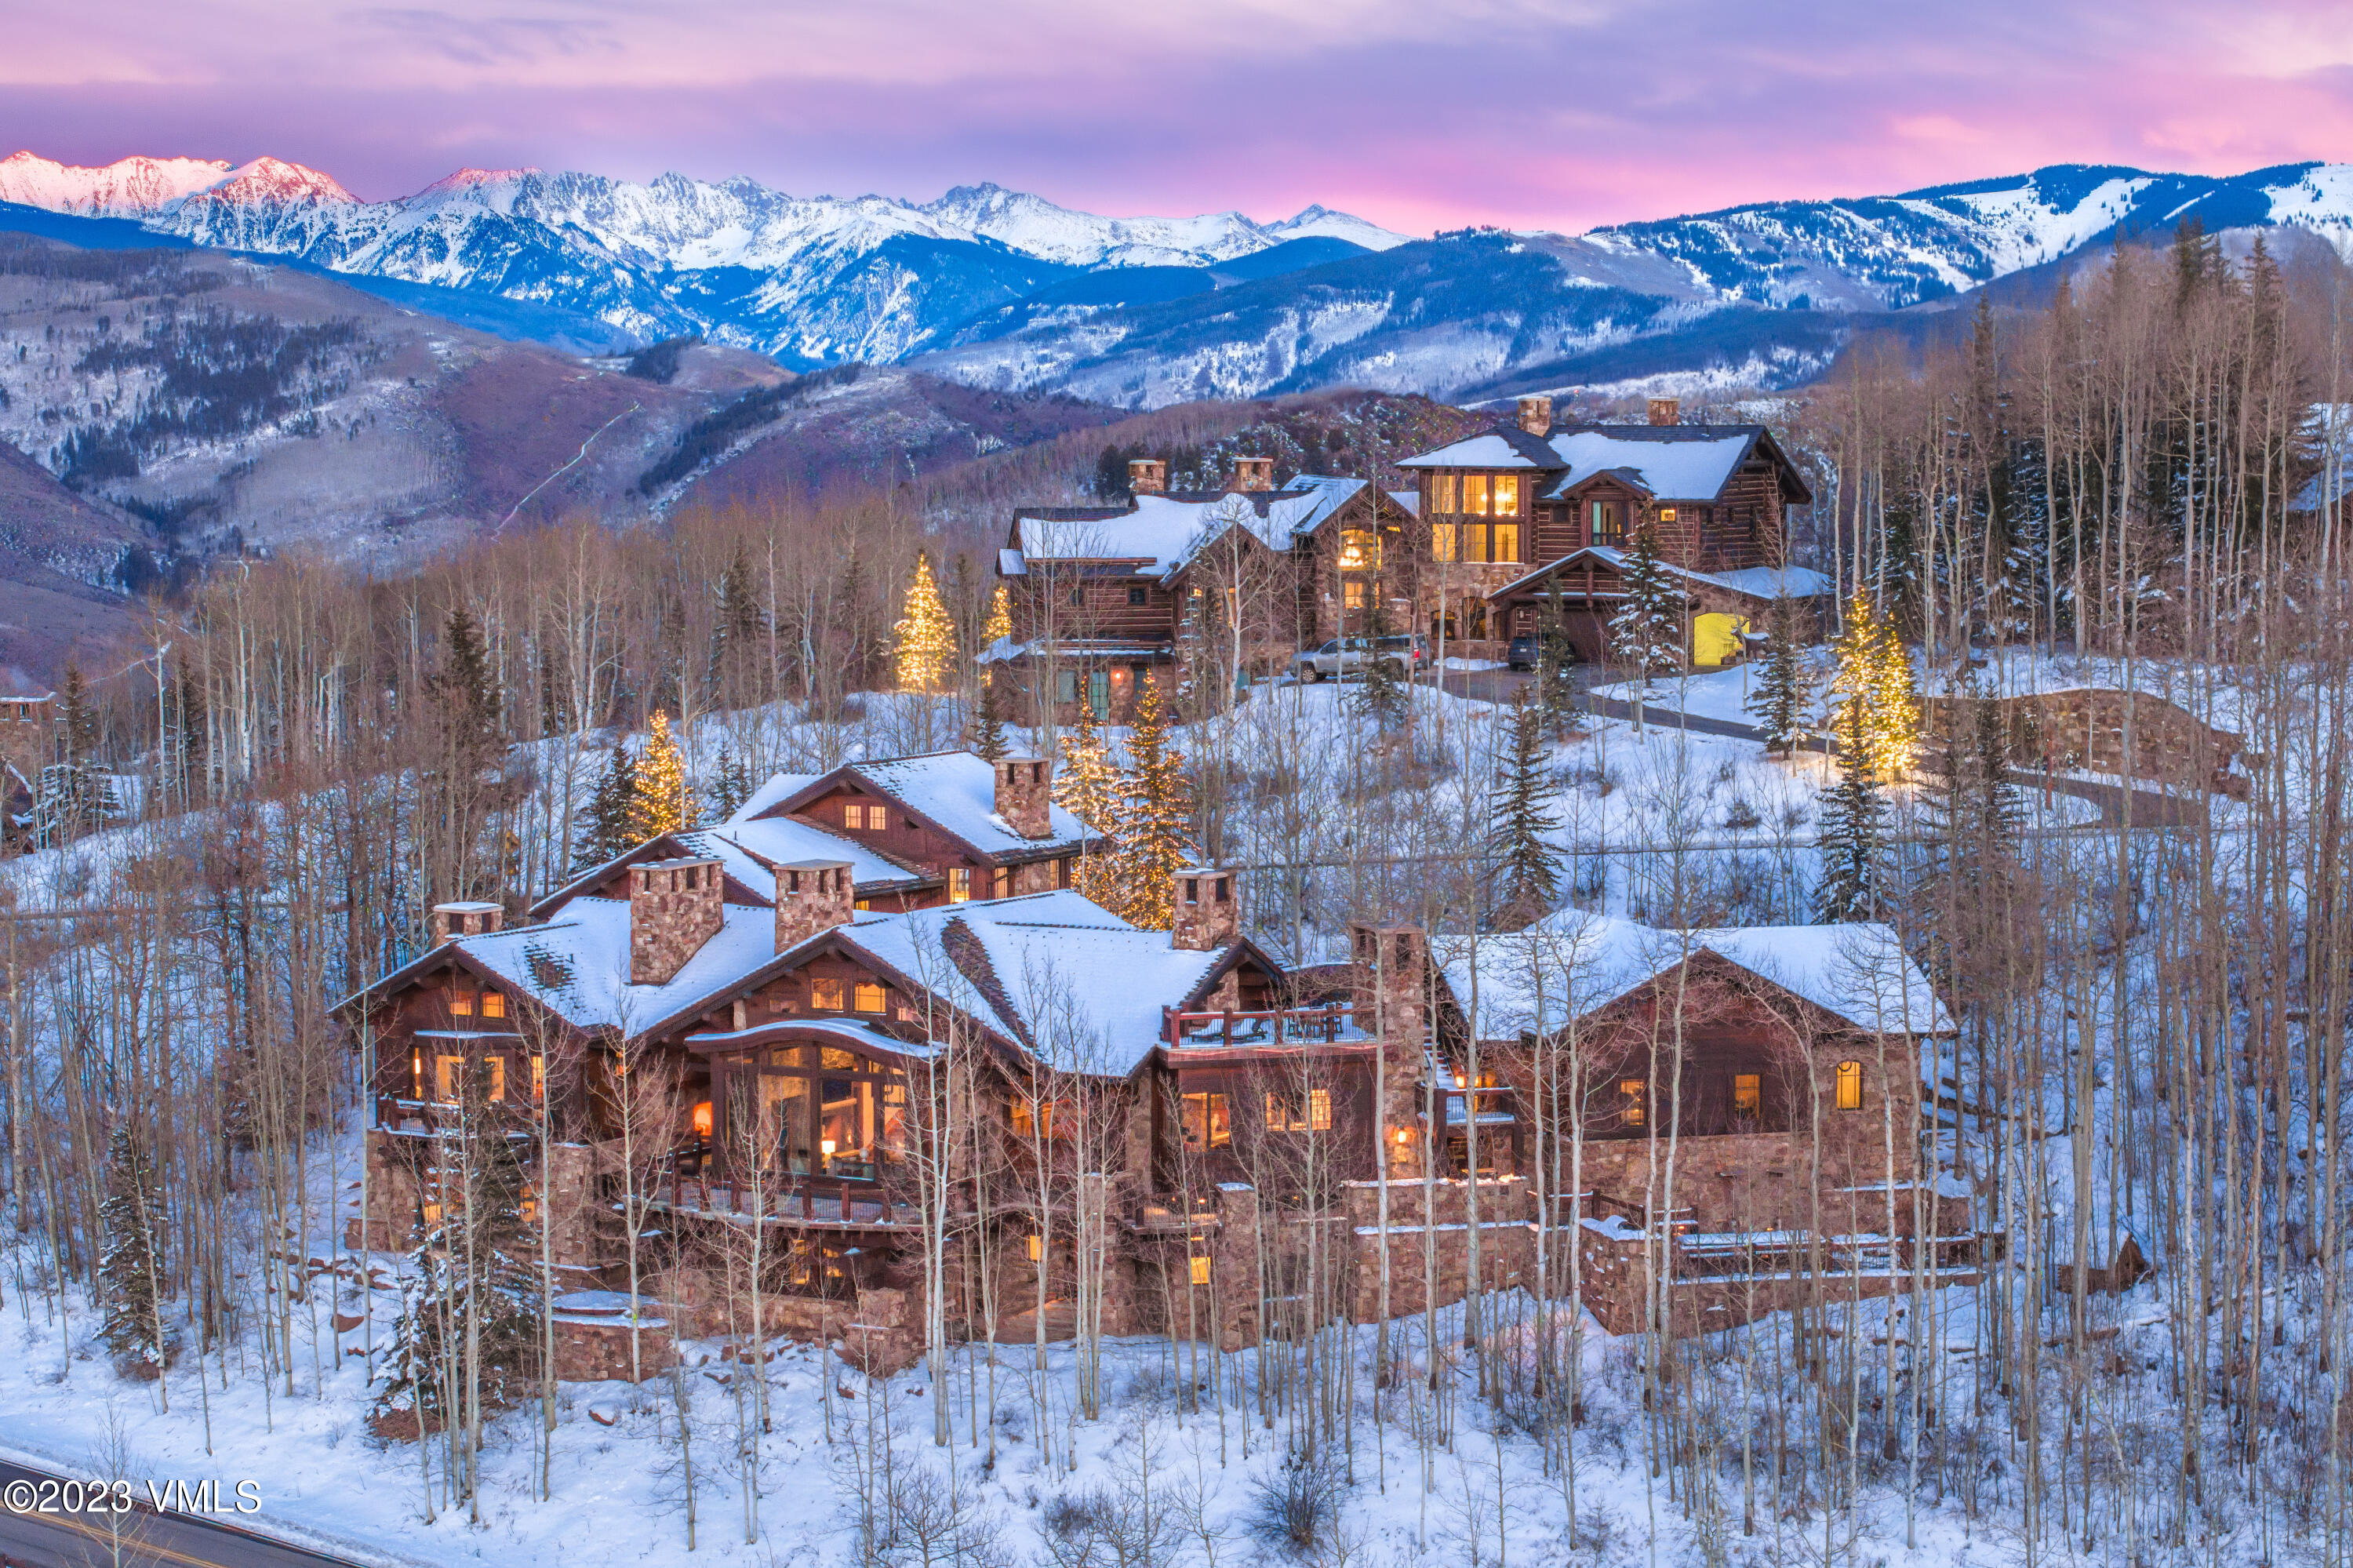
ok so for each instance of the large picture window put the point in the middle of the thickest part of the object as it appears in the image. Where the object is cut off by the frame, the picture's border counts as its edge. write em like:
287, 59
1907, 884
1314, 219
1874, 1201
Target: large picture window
825, 1112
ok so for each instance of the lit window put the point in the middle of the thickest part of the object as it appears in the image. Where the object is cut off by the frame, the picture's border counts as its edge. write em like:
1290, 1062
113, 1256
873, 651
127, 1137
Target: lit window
494, 1004
1036, 1246
1474, 542
539, 1077
825, 995
833, 1058
461, 1002
1666, 514
1507, 542
853, 815
1319, 1109
1000, 883
1631, 1089
1360, 550
1025, 1119
1507, 495
1442, 541
1850, 1085
1200, 1271
866, 904
959, 883
446, 1073
868, 997
1442, 494
1352, 593
1747, 1094
1206, 1123
1475, 494
498, 1065
1608, 523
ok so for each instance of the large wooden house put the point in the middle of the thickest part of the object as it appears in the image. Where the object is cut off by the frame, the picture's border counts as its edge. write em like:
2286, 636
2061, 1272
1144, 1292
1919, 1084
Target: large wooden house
1531, 512
1105, 597
713, 1047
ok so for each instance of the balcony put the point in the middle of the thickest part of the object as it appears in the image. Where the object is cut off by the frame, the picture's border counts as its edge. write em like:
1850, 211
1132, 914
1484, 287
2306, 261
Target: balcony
832, 1201
1268, 1028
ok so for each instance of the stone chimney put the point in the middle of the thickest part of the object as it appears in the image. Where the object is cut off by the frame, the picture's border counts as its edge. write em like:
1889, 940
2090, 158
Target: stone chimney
813, 895
1252, 474
1025, 787
451, 921
1666, 411
1208, 909
1147, 476
1391, 992
675, 907
1535, 416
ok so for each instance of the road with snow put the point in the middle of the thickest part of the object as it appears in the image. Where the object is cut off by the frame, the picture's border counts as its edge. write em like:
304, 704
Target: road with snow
31, 1538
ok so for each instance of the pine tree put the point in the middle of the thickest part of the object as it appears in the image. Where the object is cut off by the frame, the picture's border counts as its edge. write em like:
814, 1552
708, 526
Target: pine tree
129, 1272
606, 827
1851, 821
731, 785
739, 626
1155, 809
1555, 685
1001, 619
1381, 688
988, 729
1087, 784
1527, 882
1647, 632
925, 648
476, 1292
661, 803
1779, 697
1873, 677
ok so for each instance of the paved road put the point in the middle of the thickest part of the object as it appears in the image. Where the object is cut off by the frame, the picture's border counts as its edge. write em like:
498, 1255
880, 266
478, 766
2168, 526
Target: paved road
141, 1538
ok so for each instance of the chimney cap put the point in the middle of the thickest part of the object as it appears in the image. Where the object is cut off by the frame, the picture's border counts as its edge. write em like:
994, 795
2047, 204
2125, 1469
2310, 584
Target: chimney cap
816, 865
1666, 411
467, 907
677, 862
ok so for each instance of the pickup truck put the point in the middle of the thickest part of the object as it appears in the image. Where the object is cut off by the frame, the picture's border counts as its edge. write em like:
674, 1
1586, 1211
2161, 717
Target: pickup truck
1342, 657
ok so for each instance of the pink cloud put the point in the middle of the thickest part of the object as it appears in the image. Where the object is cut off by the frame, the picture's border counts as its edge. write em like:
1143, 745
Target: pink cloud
1415, 115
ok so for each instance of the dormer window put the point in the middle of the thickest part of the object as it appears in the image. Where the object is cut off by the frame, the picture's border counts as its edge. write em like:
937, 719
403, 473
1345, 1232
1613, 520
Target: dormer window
1609, 520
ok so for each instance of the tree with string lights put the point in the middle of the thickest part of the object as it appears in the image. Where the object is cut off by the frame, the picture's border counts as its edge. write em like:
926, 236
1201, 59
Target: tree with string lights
925, 645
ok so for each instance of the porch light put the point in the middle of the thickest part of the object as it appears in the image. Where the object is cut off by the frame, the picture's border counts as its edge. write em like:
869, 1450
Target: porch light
702, 1120
1405, 1135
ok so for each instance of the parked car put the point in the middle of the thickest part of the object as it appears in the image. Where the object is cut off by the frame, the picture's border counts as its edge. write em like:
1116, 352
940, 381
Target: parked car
1341, 657
1523, 652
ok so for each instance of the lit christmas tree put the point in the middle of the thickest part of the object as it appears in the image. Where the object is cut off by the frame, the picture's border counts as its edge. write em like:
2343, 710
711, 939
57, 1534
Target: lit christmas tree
926, 645
1874, 678
1156, 810
1087, 784
661, 802
1001, 619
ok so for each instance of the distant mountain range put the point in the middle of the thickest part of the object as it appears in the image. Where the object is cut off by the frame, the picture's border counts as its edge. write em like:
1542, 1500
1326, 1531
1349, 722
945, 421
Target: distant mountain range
1008, 291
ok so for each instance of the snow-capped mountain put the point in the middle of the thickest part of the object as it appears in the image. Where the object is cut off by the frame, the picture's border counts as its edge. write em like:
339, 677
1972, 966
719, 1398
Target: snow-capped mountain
812, 280
1007, 288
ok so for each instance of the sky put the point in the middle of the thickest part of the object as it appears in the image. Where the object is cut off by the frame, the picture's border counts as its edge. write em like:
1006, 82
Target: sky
1419, 114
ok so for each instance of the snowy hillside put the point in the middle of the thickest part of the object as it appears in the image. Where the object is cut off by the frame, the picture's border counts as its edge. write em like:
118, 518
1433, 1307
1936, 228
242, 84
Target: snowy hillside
1011, 291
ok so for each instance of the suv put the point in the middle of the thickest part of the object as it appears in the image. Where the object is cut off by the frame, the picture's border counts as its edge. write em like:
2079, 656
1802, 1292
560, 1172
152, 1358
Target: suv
1525, 651
1343, 656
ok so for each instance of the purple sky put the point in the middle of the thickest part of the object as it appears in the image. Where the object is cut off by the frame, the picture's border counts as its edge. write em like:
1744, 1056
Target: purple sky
1416, 113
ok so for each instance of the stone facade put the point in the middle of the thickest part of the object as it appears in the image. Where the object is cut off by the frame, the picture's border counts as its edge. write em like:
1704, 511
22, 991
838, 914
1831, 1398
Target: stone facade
2132, 734
813, 895
1025, 787
1207, 914
674, 907
450, 920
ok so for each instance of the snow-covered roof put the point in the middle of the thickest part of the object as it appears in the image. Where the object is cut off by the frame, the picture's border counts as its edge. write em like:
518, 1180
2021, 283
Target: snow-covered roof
1752, 582
1696, 468
1079, 986
1162, 533
1572, 963
779, 787
784, 840
1493, 450
957, 791
577, 964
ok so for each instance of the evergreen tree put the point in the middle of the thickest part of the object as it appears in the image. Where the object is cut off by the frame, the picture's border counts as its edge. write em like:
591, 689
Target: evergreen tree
605, 828
989, 728
1087, 784
1001, 619
1527, 882
1873, 677
661, 804
1647, 632
1779, 697
464, 683
468, 1338
1155, 809
740, 624
925, 647
1850, 826
1554, 689
129, 1272
1382, 690
731, 785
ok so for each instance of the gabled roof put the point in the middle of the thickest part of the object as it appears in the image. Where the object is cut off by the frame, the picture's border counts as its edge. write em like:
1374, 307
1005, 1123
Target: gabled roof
952, 791
1572, 964
1505, 446
1162, 533
745, 853
1752, 582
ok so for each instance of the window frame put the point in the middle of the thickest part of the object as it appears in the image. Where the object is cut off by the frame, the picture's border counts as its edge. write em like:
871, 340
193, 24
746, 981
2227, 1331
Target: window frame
1846, 1090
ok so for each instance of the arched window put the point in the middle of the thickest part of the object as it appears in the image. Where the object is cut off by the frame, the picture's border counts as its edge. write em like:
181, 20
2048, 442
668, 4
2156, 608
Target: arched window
1850, 1085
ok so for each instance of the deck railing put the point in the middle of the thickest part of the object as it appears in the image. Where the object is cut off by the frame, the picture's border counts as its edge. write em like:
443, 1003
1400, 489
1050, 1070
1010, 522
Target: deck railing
1261, 1026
